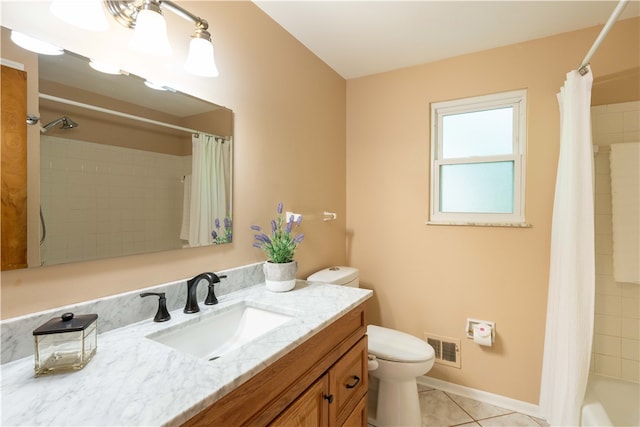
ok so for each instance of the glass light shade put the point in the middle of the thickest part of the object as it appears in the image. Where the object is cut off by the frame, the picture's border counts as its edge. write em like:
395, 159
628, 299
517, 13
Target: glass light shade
201, 60
85, 14
103, 67
154, 85
35, 45
150, 35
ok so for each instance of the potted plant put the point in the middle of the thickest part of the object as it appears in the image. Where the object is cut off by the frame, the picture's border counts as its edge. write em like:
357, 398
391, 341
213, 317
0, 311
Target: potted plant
280, 268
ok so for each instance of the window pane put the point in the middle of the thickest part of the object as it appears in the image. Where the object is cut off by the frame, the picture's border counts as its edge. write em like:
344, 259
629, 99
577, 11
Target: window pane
479, 133
477, 187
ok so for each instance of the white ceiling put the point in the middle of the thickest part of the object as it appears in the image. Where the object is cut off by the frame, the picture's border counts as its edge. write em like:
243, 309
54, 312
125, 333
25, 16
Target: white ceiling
358, 38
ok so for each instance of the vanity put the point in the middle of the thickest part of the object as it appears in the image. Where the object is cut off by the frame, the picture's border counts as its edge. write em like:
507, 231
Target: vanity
311, 368
321, 382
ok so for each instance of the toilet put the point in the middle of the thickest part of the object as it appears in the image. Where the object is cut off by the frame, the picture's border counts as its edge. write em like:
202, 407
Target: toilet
396, 359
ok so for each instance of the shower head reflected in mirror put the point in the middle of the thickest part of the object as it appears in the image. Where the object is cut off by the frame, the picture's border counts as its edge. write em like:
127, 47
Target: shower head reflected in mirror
66, 123
32, 120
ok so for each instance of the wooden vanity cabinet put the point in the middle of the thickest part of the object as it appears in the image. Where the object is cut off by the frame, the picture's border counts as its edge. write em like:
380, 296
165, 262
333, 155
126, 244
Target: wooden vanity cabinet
322, 382
348, 383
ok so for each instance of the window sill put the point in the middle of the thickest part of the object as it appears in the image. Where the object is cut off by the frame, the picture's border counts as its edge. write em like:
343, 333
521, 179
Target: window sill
483, 224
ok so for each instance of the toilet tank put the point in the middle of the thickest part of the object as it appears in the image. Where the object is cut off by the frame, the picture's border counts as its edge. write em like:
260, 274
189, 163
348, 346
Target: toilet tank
346, 276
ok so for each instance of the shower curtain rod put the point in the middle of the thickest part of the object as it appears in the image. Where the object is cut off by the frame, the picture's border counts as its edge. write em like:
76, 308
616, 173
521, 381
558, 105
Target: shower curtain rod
120, 114
582, 69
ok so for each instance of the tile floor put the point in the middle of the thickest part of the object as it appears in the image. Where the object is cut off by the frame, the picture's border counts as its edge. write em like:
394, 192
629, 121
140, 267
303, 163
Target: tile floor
442, 409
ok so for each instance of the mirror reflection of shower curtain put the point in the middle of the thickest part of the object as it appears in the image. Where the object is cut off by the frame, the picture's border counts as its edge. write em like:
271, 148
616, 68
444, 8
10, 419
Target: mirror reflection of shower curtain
208, 187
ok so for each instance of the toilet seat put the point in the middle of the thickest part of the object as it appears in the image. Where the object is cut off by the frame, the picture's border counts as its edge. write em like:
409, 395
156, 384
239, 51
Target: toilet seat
396, 346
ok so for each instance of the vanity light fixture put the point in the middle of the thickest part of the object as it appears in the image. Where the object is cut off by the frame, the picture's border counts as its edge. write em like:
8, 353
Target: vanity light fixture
85, 14
35, 45
145, 16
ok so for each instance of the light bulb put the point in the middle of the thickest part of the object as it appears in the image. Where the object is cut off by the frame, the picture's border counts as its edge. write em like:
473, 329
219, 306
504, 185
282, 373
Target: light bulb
35, 45
150, 34
201, 60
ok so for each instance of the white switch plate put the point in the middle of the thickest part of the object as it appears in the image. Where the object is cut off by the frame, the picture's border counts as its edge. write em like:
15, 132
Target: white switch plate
296, 216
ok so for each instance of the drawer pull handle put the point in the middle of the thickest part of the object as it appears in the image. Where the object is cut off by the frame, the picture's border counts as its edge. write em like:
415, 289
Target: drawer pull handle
356, 381
329, 397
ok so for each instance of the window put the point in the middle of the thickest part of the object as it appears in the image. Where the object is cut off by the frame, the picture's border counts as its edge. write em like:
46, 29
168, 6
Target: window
478, 160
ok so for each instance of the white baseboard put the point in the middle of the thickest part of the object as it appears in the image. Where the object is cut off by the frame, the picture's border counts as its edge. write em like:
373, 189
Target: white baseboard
482, 396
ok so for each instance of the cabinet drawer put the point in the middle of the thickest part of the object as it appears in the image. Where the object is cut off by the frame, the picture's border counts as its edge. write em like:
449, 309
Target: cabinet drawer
348, 380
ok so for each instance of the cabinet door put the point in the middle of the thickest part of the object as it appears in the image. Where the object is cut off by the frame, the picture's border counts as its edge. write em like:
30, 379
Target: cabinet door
13, 108
358, 417
348, 381
310, 409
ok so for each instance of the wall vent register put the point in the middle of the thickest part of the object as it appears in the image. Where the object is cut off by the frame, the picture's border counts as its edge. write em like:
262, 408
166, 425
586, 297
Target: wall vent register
447, 350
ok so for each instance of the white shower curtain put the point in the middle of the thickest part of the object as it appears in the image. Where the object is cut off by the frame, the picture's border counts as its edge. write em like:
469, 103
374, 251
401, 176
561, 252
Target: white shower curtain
570, 304
208, 188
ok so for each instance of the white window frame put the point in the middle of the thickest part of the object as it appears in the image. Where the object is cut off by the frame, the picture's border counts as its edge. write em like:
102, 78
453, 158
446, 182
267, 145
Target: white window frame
518, 101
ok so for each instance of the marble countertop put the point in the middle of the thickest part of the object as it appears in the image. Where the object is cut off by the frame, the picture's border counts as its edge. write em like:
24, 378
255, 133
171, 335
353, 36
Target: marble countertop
135, 381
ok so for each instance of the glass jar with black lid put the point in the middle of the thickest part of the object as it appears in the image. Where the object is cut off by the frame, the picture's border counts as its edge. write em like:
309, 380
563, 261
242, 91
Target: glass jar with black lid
65, 343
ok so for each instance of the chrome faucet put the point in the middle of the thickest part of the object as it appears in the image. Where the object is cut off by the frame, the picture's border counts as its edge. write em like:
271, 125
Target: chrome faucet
192, 288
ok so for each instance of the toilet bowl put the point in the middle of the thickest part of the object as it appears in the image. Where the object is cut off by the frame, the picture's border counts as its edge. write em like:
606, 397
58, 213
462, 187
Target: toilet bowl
396, 359
401, 358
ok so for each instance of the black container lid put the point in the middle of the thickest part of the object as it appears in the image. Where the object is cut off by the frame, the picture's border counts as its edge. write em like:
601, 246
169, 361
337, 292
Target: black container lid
66, 323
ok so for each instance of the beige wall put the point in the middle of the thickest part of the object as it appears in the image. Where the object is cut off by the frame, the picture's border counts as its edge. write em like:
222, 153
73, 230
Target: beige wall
615, 88
289, 133
101, 128
432, 278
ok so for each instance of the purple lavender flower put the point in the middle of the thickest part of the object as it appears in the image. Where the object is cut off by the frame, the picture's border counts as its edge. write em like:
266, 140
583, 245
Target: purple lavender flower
289, 225
257, 245
298, 238
227, 223
217, 223
263, 238
280, 208
214, 235
256, 228
299, 220
274, 226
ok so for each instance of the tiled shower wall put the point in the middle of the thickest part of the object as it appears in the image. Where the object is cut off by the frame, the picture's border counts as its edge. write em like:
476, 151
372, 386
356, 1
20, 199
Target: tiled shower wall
104, 201
616, 345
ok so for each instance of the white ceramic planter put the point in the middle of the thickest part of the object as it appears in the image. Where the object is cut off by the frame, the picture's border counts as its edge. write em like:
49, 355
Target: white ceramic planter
280, 277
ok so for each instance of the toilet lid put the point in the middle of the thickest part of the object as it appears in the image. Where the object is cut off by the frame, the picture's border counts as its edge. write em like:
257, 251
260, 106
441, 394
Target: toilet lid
396, 346
335, 275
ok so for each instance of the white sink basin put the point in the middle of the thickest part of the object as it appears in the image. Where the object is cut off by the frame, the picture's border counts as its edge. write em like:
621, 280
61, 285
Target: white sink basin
212, 335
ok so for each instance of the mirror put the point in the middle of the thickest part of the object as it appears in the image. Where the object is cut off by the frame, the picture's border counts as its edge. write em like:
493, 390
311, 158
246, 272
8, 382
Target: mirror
116, 161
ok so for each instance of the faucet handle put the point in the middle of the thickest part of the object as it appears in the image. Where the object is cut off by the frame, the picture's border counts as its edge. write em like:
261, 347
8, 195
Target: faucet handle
162, 315
211, 296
